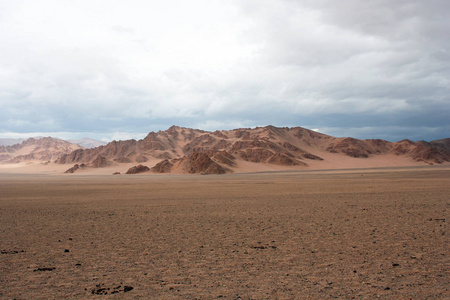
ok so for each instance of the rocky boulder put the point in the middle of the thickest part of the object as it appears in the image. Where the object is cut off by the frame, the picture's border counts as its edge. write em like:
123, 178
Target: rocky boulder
164, 166
138, 169
74, 168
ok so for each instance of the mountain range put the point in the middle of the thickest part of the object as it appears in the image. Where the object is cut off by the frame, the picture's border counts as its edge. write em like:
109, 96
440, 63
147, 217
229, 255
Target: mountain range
9, 141
84, 142
186, 150
87, 142
45, 150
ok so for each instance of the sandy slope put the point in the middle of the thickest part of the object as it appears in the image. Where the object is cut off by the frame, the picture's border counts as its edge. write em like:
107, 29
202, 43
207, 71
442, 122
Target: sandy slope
331, 161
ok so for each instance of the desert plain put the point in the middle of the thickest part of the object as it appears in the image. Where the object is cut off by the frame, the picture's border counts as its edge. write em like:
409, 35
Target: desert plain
346, 234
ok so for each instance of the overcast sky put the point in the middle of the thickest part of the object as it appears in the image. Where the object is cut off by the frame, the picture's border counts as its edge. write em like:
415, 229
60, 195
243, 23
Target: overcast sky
120, 69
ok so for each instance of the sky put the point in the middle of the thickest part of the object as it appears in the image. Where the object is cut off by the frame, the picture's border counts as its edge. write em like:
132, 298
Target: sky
120, 69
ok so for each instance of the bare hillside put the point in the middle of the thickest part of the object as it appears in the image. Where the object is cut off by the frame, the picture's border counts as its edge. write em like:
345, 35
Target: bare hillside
186, 150
43, 149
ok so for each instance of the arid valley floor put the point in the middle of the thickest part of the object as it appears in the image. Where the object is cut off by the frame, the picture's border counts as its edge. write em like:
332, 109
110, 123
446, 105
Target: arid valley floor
275, 235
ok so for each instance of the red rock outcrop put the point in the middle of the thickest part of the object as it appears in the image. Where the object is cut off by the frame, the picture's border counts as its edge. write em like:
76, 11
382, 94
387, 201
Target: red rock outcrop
442, 144
422, 151
219, 134
271, 145
255, 154
122, 160
201, 163
282, 159
75, 167
199, 144
99, 162
311, 156
402, 147
138, 169
224, 157
164, 166
351, 147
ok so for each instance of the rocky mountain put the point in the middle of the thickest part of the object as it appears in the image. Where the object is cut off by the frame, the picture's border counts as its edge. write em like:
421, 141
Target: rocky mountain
43, 149
444, 143
9, 142
87, 142
186, 150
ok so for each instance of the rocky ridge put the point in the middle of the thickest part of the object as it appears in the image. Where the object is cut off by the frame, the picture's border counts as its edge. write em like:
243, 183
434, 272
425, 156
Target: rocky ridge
193, 151
43, 149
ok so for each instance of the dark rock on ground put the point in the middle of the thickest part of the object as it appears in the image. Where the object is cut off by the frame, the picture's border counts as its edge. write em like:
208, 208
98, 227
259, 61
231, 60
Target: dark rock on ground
44, 269
138, 169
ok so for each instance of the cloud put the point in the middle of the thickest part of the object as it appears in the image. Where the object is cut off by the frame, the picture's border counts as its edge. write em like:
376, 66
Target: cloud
77, 67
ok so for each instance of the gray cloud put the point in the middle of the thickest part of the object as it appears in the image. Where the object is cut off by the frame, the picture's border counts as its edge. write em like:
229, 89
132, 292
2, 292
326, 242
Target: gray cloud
348, 68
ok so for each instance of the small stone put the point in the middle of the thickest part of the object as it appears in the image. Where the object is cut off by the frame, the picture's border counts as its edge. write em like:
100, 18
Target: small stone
44, 269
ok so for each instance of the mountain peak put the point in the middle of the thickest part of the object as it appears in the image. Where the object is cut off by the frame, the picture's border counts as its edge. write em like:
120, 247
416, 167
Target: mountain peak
37, 149
186, 150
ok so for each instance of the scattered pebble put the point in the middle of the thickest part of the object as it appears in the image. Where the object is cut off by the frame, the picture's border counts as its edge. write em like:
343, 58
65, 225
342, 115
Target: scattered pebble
11, 252
100, 289
44, 269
